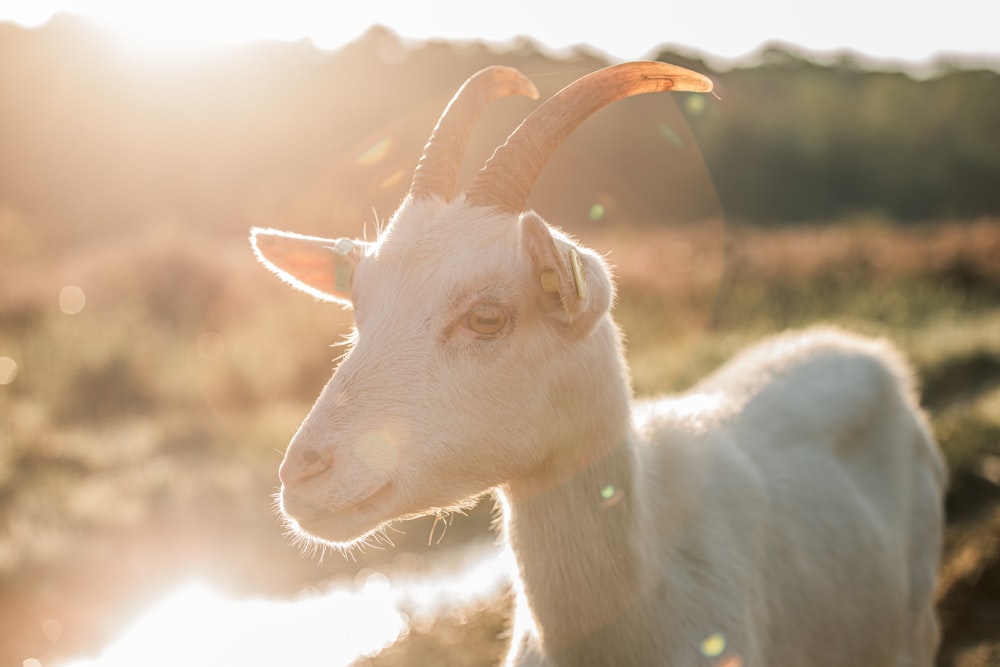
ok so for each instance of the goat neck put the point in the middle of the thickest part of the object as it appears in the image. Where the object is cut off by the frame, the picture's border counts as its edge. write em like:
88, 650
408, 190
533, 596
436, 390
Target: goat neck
575, 524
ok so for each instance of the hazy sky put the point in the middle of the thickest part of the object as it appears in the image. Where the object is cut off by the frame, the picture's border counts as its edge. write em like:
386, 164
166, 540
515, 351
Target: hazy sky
902, 30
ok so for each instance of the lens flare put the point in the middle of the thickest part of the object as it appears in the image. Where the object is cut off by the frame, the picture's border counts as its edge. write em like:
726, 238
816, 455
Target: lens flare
610, 495
72, 299
392, 179
210, 346
694, 104
8, 370
713, 645
52, 629
375, 153
671, 135
379, 450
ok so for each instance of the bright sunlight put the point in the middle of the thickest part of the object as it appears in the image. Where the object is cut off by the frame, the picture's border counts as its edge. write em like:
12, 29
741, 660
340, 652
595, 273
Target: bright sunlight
728, 30
182, 21
144, 400
198, 626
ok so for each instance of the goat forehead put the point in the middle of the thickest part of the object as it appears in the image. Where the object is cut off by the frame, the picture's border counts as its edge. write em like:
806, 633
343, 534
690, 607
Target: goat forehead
433, 229
414, 293
452, 251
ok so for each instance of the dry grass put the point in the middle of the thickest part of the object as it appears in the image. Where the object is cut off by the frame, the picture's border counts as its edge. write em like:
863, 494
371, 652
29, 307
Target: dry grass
141, 435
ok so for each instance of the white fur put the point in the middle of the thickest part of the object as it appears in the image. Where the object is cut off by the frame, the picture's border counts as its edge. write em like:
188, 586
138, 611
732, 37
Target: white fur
786, 512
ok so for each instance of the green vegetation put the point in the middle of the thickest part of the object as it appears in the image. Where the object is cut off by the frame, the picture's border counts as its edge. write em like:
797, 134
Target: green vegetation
142, 434
151, 374
795, 140
285, 132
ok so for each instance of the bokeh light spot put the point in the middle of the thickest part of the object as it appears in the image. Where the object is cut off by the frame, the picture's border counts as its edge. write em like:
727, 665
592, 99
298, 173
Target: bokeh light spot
610, 495
52, 629
210, 346
31, 662
694, 104
379, 450
375, 153
597, 212
72, 299
713, 645
377, 583
8, 370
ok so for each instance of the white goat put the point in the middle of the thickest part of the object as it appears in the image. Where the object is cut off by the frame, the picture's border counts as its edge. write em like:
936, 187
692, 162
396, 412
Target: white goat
785, 513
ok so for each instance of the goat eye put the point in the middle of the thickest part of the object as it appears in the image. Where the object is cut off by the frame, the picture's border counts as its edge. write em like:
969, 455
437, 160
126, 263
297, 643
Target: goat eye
486, 320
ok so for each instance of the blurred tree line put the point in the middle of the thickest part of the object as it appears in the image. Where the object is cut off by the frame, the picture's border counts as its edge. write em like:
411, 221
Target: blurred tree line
796, 140
99, 137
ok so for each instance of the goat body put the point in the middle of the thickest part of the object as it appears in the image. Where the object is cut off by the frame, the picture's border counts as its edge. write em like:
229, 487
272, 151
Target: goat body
786, 512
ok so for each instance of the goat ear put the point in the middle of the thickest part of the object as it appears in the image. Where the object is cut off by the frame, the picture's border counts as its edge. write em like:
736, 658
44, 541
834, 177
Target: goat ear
572, 282
321, 267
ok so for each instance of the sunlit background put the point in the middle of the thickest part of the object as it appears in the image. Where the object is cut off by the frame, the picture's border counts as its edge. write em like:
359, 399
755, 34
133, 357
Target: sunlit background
151, 374
894, 30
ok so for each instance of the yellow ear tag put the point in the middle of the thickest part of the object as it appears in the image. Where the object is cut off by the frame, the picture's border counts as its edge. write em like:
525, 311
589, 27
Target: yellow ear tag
578, 278
550, 281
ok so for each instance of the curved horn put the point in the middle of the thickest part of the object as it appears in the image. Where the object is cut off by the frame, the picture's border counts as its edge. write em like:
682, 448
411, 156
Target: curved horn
437, 170
507, 178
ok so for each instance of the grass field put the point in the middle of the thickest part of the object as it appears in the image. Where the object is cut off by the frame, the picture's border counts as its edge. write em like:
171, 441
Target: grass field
149, 384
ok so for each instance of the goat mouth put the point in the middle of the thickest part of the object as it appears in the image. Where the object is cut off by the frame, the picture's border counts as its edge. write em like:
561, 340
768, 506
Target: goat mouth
343, 523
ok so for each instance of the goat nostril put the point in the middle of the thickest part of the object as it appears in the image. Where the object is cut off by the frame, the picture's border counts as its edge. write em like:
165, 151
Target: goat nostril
298, 467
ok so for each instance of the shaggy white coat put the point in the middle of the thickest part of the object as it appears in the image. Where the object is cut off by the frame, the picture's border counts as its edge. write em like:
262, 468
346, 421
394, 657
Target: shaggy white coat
787, 511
